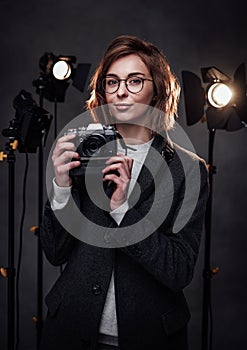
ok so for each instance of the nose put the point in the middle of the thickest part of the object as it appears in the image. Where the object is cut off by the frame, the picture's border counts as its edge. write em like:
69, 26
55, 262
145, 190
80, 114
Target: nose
122, 90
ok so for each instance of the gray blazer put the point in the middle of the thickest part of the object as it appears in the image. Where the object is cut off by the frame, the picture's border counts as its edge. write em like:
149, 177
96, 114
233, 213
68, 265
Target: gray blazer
150, 274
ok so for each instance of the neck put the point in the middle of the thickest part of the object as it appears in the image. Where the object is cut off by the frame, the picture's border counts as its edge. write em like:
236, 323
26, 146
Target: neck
134, 134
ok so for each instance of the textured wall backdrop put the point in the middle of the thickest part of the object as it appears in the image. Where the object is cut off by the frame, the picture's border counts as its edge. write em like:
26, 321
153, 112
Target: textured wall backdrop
192, 34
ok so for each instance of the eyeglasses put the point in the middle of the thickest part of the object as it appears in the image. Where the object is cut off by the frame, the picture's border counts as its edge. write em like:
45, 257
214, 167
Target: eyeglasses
133, 84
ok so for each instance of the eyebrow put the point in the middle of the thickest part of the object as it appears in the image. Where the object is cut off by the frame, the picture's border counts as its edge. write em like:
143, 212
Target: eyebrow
129, 75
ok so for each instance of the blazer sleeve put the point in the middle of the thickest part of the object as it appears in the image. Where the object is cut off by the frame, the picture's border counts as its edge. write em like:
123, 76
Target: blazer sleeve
170, 256
56, 242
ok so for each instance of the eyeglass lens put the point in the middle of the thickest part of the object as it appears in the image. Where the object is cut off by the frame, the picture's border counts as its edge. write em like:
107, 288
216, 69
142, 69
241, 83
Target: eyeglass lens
133, 84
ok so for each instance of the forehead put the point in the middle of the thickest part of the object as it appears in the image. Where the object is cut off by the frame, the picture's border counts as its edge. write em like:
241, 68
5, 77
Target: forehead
128, 64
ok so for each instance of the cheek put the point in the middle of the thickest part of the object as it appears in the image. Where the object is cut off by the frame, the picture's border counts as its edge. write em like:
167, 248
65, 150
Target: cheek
146, 98
108, 98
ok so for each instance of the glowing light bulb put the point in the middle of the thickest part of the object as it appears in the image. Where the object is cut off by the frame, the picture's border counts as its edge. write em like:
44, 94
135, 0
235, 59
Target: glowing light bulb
219, 95
61, 70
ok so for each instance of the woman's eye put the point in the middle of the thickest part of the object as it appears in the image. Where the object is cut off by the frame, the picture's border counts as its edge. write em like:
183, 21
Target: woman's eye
134, 81
112, 82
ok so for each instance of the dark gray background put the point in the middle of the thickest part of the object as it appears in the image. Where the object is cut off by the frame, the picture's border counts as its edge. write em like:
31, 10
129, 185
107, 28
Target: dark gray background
192, 34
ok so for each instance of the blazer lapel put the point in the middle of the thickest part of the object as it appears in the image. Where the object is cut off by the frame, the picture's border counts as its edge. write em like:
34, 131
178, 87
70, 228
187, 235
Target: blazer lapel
153, 162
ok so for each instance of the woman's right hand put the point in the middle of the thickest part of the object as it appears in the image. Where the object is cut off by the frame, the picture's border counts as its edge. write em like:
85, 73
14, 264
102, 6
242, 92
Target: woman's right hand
62, 155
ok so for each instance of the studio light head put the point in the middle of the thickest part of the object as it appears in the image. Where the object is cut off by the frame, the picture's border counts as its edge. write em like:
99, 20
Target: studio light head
222, 101
57, 67
30, 125
56, 71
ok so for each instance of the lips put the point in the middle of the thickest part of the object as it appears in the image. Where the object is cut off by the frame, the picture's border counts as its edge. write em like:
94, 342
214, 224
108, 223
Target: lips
122, 106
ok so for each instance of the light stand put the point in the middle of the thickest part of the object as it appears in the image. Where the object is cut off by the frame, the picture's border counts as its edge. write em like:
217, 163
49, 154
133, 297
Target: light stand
38, 319
39, 322
46, 88
226, 109
9, 272
11, 245
26, 131
52, 85
207, 271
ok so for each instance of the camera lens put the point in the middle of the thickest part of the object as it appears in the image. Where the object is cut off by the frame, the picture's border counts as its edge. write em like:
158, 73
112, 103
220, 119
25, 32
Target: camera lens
91, 145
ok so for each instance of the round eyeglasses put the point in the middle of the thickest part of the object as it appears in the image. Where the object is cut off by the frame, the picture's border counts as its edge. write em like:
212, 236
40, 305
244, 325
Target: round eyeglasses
133, 84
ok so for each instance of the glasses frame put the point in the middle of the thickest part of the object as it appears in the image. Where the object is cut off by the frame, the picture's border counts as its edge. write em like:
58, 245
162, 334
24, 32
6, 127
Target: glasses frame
126, 85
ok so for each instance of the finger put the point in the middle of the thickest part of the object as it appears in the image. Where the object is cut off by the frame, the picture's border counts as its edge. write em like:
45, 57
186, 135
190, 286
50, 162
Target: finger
65, 157
118, 158
130, 162
120, 168
122, 185
66, 138
62, 147
119, 194
126, 161
64, 143
114, 159
64, 168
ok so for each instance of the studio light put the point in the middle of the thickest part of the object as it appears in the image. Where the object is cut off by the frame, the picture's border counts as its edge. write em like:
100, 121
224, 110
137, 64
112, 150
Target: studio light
30, 125
56, 71
58, 67
222, 101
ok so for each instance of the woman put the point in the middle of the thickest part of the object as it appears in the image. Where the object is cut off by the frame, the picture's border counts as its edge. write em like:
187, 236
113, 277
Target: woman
128, 296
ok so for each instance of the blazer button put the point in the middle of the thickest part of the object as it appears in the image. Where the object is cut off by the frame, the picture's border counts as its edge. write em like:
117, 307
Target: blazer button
96, 289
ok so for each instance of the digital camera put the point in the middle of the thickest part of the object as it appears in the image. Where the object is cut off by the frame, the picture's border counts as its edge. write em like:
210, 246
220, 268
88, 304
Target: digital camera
95, 144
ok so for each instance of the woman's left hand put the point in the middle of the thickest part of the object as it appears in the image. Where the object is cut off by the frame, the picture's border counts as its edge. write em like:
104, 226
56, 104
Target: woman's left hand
118, 170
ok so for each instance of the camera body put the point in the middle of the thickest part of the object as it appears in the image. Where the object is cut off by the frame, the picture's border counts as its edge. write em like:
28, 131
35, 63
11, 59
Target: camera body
95, 144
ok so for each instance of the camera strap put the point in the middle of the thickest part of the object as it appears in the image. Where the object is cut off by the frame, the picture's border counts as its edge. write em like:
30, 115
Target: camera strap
167, 151
123, 144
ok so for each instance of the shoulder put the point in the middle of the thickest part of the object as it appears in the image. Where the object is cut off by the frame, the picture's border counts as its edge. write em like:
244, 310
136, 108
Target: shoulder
163, 142
187, 154
179, 159
190, 161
